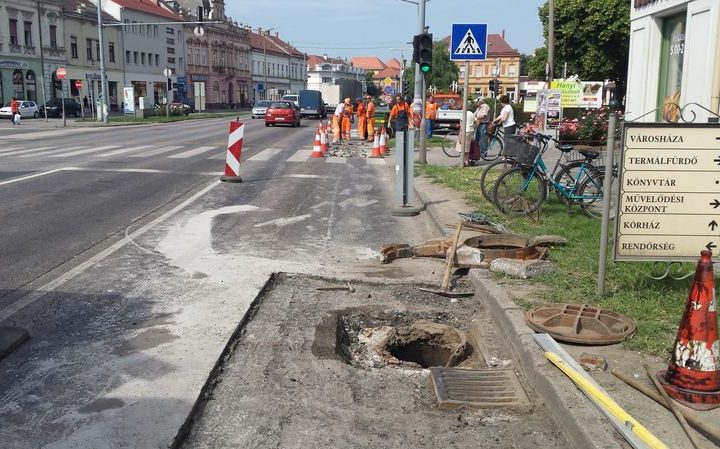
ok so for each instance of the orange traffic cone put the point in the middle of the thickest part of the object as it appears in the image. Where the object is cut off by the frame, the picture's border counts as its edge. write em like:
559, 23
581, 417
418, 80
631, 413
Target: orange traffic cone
317, 150
323, 139
693, 376
327, 127
383, 142
376, 146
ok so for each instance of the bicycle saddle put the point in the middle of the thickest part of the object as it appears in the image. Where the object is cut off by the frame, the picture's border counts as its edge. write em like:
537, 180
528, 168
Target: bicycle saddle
590, 154
565, 147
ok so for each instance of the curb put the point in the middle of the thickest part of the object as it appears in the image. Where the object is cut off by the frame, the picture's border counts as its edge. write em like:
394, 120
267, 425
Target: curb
568, 407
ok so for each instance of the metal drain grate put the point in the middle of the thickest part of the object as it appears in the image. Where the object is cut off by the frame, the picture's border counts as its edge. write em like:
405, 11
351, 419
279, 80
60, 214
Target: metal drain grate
484, 388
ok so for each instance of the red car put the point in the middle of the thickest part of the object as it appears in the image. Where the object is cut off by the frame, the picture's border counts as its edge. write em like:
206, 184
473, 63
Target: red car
282, 112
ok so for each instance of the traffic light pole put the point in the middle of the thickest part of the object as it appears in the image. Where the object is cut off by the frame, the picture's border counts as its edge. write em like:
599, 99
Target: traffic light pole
463, 123
417, 97
105, 105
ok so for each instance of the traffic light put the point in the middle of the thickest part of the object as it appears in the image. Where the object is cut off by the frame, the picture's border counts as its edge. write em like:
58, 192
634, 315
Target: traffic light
169, 84
491, 85
422, 51
406, 90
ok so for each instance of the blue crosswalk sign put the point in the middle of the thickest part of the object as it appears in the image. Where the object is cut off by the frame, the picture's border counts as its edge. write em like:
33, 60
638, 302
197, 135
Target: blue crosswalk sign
468, 42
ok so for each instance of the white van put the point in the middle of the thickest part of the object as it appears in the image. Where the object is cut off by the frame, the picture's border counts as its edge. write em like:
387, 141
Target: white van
292, 97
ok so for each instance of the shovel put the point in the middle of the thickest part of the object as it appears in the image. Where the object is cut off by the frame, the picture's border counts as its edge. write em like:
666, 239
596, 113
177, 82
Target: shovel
449, 260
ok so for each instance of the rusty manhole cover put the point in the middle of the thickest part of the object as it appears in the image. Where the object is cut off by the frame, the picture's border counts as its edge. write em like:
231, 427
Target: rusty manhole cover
485, 388
512, 246
580, 323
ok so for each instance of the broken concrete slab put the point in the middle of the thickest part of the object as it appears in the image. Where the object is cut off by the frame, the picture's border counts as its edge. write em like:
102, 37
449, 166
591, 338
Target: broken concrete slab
521, 268
10, 339
549, 240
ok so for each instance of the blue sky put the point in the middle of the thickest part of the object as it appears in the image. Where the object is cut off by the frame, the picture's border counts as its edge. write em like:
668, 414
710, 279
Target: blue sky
383, 27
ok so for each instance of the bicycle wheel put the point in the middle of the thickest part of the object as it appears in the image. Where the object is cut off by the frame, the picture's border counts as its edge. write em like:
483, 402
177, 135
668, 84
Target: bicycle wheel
491, 173
519, 191
494, 150
450, 144
591, 194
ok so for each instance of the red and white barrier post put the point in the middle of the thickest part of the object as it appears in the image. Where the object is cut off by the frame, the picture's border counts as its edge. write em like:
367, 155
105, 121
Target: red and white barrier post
234, 150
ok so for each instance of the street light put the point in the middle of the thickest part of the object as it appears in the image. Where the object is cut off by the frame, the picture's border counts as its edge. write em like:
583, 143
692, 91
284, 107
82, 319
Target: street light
265, 69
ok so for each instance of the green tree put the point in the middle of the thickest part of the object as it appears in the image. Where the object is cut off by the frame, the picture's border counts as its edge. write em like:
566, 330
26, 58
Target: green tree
593, 37
535, 63
443, 71
372, 89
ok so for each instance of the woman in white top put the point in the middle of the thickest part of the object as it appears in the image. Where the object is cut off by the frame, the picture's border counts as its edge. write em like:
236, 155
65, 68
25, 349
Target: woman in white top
506, 117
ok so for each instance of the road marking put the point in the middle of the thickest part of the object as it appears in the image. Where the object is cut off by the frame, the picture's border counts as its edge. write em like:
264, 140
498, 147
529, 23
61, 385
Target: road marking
34, 150
305, 176
85, 151
219, 156
11, 181
143, 170
52, 285
336, 160
299, 156
375, 161
193, 152
154, 152
123, 151
8, 150
265, 154
356, 202
280, 222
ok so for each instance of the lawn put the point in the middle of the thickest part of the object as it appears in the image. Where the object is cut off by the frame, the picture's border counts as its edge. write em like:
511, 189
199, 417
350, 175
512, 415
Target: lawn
655, 306
172, 118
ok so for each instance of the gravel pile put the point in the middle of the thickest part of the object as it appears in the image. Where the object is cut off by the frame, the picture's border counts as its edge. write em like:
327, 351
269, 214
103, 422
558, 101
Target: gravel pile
350, 149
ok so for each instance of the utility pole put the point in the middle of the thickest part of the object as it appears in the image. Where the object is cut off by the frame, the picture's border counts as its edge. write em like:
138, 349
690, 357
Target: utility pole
103, 76
551, 40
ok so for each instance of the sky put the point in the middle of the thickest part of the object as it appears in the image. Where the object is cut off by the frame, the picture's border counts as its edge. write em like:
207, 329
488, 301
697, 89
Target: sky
383, 28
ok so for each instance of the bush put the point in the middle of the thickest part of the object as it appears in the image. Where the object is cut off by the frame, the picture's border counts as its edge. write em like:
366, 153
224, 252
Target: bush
176, 109
589, 127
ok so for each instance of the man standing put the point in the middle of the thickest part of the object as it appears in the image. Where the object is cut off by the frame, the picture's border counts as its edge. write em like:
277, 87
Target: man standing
370, 108
430, 115
347, 119
14, 111
362, 119
337, 122
481, 120
401, 115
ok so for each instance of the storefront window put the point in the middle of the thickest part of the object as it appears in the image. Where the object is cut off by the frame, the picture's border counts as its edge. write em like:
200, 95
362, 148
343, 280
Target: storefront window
17, 81
30, 85
671, 67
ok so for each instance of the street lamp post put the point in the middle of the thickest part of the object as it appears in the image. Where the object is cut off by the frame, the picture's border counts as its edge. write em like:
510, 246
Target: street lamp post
103, 75
265, 70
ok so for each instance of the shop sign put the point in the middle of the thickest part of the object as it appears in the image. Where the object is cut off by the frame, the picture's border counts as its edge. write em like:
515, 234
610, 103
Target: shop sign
669, 202
580, 94
10, 64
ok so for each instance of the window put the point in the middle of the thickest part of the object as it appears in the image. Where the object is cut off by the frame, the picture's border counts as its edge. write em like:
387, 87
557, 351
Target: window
28, 34
170, 30
170, 41
142, 30
189, 55
73, 47
671, 67
149, 30
97, 49
13, 32
127, 56
111, 51
134, 27
511, 70
156, 31
135, 57
157, 60
88, 49
142, 58
197, 56
171, 50
53, 36
171, 60
326, 80
205, 57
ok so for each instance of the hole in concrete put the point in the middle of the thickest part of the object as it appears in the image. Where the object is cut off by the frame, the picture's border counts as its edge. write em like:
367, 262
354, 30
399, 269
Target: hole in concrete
426, 344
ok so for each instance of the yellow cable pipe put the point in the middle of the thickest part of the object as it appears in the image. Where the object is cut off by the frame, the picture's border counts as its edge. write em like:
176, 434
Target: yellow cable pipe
607, 402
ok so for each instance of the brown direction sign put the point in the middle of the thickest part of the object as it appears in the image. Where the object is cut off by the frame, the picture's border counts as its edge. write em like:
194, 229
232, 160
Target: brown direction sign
669, 199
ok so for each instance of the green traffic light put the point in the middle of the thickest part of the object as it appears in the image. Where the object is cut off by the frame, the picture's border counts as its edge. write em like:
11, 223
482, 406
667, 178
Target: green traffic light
425, 68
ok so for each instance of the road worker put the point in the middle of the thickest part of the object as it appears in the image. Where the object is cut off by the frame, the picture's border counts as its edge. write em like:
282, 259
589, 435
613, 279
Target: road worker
347, 119
401, 115
370, 113
337, 122
430, 115
361, 118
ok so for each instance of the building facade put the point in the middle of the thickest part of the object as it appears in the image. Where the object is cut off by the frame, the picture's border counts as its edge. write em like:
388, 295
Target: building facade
324, 71
277, 67
674, 59
32, 47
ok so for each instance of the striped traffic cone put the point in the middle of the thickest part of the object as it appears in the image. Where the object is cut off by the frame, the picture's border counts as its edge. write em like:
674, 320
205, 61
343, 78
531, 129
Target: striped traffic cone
383, 142
376, 146
693, 375
323, 139
317, 150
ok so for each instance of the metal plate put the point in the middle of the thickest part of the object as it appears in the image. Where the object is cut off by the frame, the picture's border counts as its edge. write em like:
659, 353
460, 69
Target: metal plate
580, 323
484, 388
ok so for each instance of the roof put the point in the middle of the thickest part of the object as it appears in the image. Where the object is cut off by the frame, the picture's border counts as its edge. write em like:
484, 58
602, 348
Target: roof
391, 72
148, 6
394, 63
86, 9
497, 45
272, 44
314, 60
367, 63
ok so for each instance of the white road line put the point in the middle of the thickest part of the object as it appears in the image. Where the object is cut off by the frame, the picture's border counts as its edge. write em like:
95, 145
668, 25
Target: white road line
52, 285
305, 176
280, 222
336, 160
33, 150
85, 151
154, 152
11, 181
375, 161
123, 151
193, 152
8, 150
265, 154
143, 170
299, 156
220, 156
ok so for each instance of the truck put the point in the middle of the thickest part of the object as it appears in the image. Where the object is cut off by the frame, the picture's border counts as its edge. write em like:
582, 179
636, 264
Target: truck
334, 94
449, 114
312, 104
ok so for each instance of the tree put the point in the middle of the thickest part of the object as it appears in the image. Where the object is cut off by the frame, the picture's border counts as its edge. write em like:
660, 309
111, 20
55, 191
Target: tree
593, 37
372, 89
534, 64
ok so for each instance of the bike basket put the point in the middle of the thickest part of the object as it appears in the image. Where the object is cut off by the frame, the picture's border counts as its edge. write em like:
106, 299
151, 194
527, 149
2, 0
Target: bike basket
523, 152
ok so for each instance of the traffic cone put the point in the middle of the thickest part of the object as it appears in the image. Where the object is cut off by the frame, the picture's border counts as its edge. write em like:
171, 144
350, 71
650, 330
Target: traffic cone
383, 142
376, 146
323, 139
693, 375
317, 150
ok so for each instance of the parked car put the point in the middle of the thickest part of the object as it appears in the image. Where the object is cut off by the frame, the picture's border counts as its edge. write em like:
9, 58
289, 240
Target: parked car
311, 103
292, 97
282, 112
26, 108
258, 111
54, 107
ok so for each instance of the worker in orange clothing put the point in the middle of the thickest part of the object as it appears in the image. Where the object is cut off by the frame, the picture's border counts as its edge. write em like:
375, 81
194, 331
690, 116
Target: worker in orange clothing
401, 115
337, 122
430, 115
370, 114
347, 119
361, 118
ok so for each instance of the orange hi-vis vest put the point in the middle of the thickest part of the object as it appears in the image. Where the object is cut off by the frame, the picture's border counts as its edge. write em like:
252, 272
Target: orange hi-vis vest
431, 110
371, 110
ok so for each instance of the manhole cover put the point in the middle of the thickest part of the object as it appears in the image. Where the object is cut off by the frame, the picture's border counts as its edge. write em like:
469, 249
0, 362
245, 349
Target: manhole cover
485, 388
580, 323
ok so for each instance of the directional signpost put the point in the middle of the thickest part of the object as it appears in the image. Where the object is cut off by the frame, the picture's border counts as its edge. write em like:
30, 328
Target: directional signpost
669, 205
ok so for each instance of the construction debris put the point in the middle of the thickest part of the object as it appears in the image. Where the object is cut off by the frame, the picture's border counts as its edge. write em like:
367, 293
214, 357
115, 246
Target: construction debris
349, 149
593, 362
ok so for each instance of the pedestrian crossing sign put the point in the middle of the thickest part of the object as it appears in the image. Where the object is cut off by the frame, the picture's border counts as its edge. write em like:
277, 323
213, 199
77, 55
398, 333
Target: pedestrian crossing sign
468, 42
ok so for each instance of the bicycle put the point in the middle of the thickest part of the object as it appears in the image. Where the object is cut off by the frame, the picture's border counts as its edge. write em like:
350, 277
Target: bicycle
522, 189
495, 146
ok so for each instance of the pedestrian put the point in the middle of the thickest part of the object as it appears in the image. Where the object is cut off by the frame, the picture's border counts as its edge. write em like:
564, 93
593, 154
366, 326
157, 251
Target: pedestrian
430, 115
401, 115
467, 135
370, 113
337, 122
506, 118
482, 111
85, 102
347, 120
14, 112
362, 119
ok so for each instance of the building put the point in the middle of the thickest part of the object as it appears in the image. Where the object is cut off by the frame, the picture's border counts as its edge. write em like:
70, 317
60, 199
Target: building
277, 67
674, 58
148, 48
381, 71
218, 60
32, 47
324, 71
83, 53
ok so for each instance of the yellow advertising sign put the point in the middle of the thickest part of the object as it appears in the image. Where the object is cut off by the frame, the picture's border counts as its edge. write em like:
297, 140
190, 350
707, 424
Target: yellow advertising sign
579, 94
